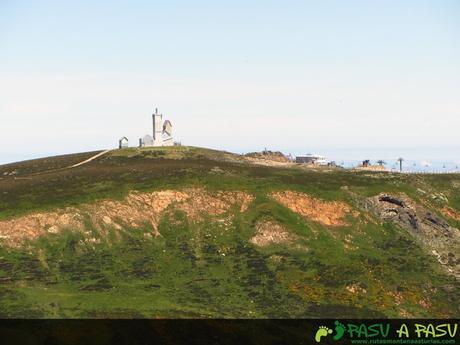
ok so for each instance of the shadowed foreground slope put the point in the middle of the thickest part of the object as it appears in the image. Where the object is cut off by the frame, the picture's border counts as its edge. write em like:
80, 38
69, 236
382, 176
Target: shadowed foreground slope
189, 232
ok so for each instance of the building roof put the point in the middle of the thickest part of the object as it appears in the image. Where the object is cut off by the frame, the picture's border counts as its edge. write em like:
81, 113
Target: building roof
167, 127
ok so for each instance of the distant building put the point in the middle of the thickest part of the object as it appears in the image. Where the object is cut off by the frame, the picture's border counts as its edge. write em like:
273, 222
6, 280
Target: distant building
167, 134
311, 159
147, 140
123, 142
162, 132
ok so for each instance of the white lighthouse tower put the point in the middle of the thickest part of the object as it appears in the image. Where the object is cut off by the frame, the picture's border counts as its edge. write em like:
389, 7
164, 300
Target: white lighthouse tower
162, 132
157, 128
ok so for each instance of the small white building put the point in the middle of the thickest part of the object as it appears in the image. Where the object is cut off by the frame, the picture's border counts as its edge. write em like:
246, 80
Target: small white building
310, 158
123, 143
162, 132
147, 140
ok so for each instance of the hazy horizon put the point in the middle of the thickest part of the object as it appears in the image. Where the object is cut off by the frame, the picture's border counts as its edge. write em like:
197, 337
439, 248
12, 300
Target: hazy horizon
350, 80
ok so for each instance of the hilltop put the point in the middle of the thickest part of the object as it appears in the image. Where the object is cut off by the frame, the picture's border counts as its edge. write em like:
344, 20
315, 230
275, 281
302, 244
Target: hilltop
192, 232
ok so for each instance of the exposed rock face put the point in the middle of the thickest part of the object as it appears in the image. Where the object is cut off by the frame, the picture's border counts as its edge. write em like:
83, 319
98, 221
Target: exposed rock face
136, 210
435, 234
327, 213
269, 155
13, 231
270, 232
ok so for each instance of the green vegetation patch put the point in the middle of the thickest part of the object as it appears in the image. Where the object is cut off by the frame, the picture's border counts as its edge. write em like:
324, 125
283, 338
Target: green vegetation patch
210, 267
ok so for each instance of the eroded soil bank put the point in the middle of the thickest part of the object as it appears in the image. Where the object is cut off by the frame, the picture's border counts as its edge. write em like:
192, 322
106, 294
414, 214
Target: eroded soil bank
327, 213
139, 209
136, 210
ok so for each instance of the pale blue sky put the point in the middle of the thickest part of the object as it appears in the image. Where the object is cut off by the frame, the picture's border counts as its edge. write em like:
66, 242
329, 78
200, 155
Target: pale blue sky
297, 76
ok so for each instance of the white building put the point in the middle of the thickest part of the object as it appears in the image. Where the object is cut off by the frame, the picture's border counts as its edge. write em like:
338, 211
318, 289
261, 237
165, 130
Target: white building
312, 159
123, 143
162, 132
147, 140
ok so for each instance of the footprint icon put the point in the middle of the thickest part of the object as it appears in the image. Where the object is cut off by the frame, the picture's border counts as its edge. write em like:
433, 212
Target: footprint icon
322, 332
339, 330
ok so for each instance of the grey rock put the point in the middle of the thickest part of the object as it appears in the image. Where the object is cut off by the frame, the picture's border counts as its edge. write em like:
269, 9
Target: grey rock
431, 231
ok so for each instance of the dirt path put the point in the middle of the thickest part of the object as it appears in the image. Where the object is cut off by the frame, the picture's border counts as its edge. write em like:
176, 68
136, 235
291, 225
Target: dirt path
64, 168
89, 159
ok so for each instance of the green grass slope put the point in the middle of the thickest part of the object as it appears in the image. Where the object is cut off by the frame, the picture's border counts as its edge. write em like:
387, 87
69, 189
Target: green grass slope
209, 269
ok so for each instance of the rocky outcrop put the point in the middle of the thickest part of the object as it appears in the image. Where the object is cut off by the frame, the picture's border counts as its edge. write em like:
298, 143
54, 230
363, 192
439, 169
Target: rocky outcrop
269, 155
434, 233
270, 232
136, 210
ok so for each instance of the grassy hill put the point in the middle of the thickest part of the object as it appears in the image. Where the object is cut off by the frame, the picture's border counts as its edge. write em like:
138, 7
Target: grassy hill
191, 232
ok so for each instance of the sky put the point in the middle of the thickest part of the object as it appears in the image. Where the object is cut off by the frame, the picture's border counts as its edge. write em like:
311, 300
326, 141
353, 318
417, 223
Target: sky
350, 79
